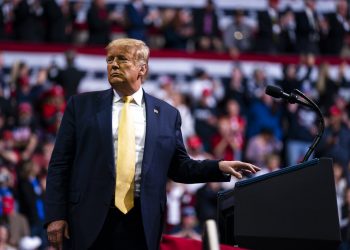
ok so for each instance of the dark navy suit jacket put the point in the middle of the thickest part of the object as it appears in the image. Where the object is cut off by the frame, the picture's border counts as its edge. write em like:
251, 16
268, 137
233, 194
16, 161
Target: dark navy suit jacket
81, 178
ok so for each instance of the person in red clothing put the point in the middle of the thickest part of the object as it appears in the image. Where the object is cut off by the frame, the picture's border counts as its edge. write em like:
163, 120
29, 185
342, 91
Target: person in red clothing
52, 108
226, 142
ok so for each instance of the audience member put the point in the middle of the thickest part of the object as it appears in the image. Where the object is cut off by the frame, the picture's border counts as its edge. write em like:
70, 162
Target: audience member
238, 35
135, 14
338, 28
52, 108
290, 81
165, 88
28, 22
99, 23
206, 203
272, 163
307, 75
343, 106
17, 223
173, 212
345, 221
206, 25
237, 123
269, 29
178, 30
24, 132
187, 125
203, 82
308, 28
70, 76
68, 20
55, 23
40, 85
340, 188
2, 26
335, 142
236, 88
264, 112
300, 132
9, 155
287, 37
205, 119
256, 85
30, 196
195, 148
261, 145
187, 229
344, 89
226, 144
20, 85
4, 237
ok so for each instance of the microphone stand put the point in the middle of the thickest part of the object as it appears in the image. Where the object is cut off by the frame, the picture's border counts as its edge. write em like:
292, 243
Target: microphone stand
317, 139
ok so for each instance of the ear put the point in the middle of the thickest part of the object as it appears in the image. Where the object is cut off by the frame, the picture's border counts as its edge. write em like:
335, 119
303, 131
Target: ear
143, 70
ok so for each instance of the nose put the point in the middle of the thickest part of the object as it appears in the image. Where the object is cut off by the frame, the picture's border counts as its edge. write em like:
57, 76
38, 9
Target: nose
115, 64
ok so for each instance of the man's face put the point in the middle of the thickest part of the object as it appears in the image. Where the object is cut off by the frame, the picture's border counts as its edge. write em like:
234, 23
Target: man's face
124, 73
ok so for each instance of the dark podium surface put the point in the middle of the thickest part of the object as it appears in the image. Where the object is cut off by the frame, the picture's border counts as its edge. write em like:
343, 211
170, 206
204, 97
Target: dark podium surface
292, 208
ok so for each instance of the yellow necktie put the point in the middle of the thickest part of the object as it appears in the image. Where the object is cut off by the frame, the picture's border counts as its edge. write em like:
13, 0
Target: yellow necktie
125, 172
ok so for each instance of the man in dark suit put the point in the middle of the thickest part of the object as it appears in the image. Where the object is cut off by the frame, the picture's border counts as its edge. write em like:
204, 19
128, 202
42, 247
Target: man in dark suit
207, 32
99, 22
269, 29
307, 29
338, 29
69, 77
135, 15
107, 200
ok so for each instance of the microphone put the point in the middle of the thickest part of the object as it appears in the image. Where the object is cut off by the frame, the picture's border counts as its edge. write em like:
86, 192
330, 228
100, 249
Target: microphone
277, 92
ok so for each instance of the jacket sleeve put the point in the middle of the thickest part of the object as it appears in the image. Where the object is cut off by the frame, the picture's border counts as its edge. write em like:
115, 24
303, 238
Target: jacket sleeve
59, 168
186, 170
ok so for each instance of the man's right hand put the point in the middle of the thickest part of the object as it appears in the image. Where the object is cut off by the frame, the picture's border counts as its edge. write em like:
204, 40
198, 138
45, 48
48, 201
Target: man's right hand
56, 230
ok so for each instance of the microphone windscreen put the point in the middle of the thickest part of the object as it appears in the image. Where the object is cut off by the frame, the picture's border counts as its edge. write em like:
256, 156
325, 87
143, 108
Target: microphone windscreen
274, 91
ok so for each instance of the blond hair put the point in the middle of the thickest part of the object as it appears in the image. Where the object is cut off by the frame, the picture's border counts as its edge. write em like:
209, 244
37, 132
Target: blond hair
142, 50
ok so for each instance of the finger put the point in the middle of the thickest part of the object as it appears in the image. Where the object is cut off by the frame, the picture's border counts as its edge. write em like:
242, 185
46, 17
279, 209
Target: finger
55, 238
256, 168
51, 236
247, 171
59, 244
250, 167
235, 173
66, 232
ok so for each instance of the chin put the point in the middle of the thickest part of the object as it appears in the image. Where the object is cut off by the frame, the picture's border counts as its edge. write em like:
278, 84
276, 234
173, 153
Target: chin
116, 81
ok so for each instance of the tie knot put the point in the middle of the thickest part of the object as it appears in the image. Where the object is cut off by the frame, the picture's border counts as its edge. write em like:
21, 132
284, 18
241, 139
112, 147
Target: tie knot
127, 98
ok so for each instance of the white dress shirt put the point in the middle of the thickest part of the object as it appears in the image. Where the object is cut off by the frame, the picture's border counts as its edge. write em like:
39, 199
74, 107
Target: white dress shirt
138, 109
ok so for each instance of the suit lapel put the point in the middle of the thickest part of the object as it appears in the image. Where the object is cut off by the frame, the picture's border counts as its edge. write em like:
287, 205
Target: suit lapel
153, 113
104, 118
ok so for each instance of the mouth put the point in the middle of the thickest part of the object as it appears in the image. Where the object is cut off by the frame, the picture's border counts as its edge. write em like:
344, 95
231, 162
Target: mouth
115, 74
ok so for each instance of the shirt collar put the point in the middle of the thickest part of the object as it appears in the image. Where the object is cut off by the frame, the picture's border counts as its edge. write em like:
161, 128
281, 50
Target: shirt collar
137, 96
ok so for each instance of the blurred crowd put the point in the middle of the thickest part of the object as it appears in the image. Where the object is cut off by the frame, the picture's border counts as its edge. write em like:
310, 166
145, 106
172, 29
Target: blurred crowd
209, 28
227, 118
233, 119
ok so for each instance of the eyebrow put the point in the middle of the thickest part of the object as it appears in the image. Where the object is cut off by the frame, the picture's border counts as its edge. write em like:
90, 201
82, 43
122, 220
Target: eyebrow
121, 57
118, 56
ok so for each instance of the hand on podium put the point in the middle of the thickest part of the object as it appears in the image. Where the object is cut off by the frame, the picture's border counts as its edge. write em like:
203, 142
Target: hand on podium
237, 168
